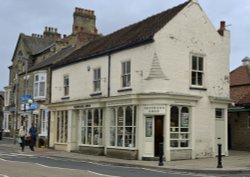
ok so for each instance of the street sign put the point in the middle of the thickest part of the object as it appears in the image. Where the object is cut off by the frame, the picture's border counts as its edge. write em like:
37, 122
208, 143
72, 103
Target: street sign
26, 98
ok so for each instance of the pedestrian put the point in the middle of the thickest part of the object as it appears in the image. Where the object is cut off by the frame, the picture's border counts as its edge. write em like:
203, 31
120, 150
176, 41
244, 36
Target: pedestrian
32, 132
22, 133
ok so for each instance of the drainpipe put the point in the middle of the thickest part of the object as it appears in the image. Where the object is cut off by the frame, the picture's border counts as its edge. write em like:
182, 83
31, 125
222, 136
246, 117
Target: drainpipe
109, 66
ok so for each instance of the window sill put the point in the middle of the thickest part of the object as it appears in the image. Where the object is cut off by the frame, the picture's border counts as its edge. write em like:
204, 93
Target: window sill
198, 88
126, 89
65, 98
39, 98
96, 94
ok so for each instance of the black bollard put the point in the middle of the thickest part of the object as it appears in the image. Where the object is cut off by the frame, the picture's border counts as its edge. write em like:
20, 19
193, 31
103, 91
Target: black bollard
160, 154
219, 165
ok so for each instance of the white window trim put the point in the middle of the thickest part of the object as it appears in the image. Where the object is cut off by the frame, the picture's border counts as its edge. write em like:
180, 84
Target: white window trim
204, 71
125, 74
97, 80
36, 95
64, 86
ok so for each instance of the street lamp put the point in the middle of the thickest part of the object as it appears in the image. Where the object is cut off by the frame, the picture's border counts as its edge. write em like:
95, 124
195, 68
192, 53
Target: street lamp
25, 60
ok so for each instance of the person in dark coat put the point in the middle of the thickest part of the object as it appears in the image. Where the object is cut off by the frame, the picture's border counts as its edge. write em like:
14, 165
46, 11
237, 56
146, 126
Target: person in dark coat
32, 132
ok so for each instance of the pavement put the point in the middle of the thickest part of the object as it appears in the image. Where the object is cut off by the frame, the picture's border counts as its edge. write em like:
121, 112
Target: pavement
237, 162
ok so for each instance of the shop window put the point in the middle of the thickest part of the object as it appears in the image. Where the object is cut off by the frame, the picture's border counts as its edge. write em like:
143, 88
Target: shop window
44, 122
123, 126
62, 126
180, 127
92, 127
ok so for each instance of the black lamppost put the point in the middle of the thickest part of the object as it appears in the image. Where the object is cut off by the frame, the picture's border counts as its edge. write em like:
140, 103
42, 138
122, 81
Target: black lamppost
25, 60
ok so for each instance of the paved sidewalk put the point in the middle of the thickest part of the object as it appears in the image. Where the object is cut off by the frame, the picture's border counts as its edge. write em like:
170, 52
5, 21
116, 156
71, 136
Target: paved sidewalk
236, 162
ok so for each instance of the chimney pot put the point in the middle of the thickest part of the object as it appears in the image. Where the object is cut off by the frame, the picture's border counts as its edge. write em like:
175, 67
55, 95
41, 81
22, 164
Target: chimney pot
222, 25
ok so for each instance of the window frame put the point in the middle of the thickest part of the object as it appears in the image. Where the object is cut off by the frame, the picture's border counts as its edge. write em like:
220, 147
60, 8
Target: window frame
97, 80
126, 74
66, 86
88, 123
222, 113
119, 136
197, 69
62, 126
178, 133
39, 79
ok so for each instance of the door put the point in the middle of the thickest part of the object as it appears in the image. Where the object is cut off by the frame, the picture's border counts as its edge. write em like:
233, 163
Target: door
158, 134
220, 130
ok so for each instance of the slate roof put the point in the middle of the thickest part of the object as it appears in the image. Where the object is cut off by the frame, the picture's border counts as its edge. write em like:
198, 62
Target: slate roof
240, 85
130, 36
34, 45
54, 58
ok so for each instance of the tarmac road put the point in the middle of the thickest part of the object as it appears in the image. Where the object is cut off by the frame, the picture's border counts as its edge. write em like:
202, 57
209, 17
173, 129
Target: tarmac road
23, 169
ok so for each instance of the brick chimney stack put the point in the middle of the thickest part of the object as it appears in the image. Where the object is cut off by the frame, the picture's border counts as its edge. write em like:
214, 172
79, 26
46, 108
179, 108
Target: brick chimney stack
222, 28
51, 33
84, 21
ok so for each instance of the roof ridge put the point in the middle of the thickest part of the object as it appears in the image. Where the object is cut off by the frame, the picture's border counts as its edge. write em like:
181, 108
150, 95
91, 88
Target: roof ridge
132, 35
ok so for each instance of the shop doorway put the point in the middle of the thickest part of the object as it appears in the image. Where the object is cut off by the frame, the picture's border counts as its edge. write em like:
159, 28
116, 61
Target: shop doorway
158, 133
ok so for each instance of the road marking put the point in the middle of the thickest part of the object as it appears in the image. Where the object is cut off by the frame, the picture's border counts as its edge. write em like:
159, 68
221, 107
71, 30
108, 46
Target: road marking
100, 174
4, 175
158, 171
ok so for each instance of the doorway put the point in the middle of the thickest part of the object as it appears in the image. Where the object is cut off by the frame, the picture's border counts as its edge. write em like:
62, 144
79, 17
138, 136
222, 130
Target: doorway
158, 134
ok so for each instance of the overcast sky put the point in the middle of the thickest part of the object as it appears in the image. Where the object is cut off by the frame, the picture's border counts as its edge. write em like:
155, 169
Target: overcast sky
31, 16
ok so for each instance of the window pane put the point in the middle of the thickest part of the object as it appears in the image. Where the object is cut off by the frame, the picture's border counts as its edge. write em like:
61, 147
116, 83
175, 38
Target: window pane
184, 143
120, 117
200, 63
89, 134
193, 78
83, 135
184, 117
128, 116
128, 137
112, 136
90, 118
148, 127
219, 113
174, 117
42, 89
120, 136
113, 118
96, 136
174, 135
173, 143
200, 78
194, 63
96, 118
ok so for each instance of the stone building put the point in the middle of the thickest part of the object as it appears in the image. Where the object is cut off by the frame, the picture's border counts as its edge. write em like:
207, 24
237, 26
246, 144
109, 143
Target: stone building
163, 80
30, 70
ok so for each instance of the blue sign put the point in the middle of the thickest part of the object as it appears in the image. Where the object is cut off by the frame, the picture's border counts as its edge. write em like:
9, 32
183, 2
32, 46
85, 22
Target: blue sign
26, 98
33, 106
